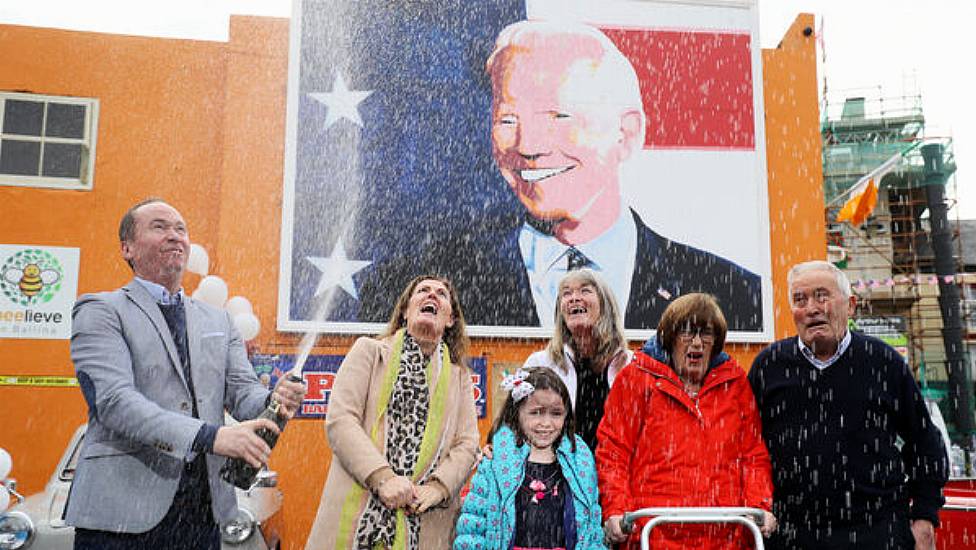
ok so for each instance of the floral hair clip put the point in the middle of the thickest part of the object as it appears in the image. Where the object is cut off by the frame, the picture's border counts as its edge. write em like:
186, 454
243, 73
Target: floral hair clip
516, 384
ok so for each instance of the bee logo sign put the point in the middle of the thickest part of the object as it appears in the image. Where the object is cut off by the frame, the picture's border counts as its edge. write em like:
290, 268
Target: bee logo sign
37, 289
31, 276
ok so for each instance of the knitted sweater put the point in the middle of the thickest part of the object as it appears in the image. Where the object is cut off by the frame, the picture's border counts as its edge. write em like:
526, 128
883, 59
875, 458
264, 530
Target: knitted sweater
832, 436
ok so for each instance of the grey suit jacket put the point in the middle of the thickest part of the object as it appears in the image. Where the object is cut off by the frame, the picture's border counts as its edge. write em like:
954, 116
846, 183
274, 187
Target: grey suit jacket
140, 419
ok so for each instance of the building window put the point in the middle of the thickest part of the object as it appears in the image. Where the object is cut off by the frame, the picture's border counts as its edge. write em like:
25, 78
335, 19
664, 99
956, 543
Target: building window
47, 141
969, 315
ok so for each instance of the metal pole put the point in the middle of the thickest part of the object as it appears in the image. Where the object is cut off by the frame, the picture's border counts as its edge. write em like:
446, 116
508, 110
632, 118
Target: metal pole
960, 380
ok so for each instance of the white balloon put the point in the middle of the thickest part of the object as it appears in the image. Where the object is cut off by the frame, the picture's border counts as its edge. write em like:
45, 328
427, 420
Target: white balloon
199, 260
5, 463
212, 290
237, 305
248, 325
4, 498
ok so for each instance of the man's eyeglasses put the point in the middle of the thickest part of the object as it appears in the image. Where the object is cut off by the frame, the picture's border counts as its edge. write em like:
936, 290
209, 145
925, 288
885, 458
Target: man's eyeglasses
705, 334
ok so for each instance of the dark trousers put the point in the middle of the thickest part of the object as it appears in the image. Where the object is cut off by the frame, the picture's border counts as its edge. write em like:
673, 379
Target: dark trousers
187, 525
894, 533
174, 532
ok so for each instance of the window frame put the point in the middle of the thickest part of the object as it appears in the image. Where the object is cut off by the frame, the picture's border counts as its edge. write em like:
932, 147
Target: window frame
85, 181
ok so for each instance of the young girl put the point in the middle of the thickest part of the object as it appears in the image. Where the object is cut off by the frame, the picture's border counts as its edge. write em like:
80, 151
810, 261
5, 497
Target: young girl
538, 491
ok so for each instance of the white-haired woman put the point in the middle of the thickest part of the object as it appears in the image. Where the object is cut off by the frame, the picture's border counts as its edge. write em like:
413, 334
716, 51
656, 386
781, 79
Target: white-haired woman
587, 348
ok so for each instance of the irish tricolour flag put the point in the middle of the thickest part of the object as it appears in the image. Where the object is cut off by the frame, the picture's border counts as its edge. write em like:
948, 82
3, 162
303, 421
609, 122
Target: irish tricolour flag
864, 193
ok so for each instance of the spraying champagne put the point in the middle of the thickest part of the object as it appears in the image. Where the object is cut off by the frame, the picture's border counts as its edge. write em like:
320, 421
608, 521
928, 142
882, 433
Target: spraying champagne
238, 471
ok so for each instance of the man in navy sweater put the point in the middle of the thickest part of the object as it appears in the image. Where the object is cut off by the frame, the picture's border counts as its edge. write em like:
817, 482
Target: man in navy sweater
833, 405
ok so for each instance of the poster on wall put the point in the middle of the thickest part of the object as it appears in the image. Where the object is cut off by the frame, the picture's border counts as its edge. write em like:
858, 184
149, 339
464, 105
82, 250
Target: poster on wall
319, 375
38, 285
891, 329
504, 143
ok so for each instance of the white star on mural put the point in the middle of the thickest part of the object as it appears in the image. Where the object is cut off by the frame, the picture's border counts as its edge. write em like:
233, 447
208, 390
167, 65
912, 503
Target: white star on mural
337, 270
341, 101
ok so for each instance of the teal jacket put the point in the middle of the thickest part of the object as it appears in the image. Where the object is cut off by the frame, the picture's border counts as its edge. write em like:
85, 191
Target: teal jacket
487, 519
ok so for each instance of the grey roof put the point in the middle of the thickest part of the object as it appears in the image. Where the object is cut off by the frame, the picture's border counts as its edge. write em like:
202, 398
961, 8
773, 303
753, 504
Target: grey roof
967, 241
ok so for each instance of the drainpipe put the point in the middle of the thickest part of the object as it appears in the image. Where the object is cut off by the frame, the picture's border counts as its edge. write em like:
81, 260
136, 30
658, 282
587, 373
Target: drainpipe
960, 379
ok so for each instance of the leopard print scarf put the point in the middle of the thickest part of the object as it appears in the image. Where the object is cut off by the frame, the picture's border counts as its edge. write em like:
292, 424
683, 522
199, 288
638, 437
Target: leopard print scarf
406, 419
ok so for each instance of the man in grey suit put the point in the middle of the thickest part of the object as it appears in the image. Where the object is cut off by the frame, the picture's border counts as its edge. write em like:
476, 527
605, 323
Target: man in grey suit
157, 370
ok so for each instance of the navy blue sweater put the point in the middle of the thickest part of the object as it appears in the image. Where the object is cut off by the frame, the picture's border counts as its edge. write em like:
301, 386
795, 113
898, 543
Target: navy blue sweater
832, 436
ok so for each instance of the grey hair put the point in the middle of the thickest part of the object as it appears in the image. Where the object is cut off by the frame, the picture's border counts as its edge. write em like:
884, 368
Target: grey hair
843, 283
608, 332
613, 73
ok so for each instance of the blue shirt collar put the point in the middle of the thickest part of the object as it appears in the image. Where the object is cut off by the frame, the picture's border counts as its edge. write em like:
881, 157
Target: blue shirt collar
613, 254
615, 247
160, 294
822, 364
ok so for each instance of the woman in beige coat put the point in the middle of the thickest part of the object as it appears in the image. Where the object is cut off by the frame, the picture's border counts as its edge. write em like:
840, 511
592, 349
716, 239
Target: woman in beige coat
403, 429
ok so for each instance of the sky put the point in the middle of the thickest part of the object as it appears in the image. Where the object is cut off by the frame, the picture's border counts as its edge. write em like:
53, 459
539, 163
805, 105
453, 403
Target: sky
874, 48
900, 48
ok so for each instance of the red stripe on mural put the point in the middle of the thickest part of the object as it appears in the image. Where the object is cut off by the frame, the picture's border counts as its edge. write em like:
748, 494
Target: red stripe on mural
696, 86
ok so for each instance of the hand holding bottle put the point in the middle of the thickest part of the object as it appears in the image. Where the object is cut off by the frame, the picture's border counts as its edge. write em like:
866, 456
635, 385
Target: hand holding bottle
289, 392
240, 441
242, 471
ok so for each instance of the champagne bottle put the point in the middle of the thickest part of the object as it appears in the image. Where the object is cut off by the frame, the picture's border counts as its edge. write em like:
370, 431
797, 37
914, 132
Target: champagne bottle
238, 471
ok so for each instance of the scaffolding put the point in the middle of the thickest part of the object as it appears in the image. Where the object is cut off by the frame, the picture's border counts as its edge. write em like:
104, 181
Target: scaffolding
889, 258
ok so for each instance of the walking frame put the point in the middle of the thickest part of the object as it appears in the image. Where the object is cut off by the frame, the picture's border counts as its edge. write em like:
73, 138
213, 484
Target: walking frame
752, 518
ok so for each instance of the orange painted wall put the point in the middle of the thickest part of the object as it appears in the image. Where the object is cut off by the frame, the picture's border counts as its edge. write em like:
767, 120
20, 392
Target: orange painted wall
202, 124
161, 115
793, 158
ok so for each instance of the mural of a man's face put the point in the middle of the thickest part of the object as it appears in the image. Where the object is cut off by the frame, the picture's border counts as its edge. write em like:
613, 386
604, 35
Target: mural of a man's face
554, 142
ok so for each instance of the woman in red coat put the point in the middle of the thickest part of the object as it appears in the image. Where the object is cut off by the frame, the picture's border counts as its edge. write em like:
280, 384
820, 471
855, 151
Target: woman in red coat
681, 428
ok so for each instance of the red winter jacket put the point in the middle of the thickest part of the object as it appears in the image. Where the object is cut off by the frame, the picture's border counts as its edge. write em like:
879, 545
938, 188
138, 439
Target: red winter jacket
660, 447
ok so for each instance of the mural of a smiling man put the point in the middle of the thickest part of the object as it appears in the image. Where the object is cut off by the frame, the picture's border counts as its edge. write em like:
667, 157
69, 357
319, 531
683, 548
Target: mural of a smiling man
566, 114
